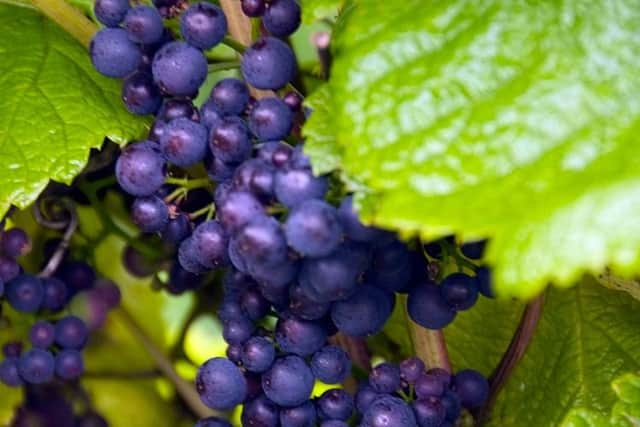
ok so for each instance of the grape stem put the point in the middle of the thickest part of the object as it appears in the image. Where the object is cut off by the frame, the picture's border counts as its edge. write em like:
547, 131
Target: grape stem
69, 18
189, 184
70, 226
519, 344
209, 210
222, 66
185, 389
428, 345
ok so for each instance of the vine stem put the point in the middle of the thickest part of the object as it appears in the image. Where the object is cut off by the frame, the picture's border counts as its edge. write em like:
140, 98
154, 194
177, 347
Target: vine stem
69, 18
185, 389
517, 347
70, 227
429, 345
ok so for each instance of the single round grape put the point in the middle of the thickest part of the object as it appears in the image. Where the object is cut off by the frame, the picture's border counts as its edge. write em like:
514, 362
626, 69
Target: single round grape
289, 381
9, 374
335, 404
25, 293
364, 313
268, 64
150, 214
140, 94
203, 25
452, 406
270, 119
230, 96
36, 366
210, 115
12, 349
299, 416
258, 354
140, 169
276, 153
331, 365
282, 17
427, 307
365, 395
176, 108
237, 209
15, 242
184, 142
305, 307
69, 364
313, 228
253, 8
42, 334
261, 242
238, 330
179, 69
429, 385
471, 387
210, 243
260, 412
78, 276
220, 384
484, 282
188, 257
229, 141
212, 422
429, 412
111, 12
9, 269
274, 276
144, 24
255, 176
299, 336
390, 267
295, 186
219, 171
177, 229
113, 54
385, 378
254, 304
71, 333
234, 353
459, 291
474, 250
411, 369
388, 411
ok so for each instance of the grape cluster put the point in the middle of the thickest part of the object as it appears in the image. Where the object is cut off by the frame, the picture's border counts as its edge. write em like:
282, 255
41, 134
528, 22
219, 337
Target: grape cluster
56, 341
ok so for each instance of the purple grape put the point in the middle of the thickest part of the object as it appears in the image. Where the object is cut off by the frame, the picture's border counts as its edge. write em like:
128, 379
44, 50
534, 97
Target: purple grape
237, 209
140, 94
428, 308
113, 54
429, 385
260, 242
15, 242
229, 141
111, 12
71, 333
276, 153
305, 307
150, 214
411, 369
331, 365
294, 186
429, 412
253, 304
36, 366
300, 337
230, 96
484, 282
179, 69
78, 276
474, 250
335, 404
176, 108
184, 142
143, 24
9, 269
237, 330
282, 17
12, 349
452, 406
353, 228
69, 364
261, 412
210, 243
471, 387
177, 229
388, 411
42, 334
268, 64
210, 116
258, 354
220, 384
365, 395
203, 25
253, 8
25, 293
9, 374
293, 101
270, 119
140, 169
385, 378
289, 381
255, 176
364, 313
212, 422
299, 416
313, 229
459, 291
188, 257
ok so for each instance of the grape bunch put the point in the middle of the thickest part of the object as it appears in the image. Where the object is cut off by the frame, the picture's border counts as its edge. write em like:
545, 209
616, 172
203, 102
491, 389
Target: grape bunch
56, 340
298, 265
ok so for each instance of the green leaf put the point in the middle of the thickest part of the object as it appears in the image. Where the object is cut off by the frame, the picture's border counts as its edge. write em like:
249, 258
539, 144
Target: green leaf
587, 336
54, 106
510, 120
314, 10
321, 142
630, 286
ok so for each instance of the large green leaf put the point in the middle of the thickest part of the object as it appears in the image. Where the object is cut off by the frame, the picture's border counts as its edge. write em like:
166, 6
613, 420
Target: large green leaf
587, 337
313, 10
54, 107
510, 120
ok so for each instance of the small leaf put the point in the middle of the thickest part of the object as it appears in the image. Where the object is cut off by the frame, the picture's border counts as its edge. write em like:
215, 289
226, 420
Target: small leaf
54, 106
509, 120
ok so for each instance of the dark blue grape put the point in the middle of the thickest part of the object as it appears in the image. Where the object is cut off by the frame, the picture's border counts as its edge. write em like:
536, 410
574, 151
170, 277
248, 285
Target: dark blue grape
219, 171
140, 94
113, 54
365, 312
471, 387
452, 406
390, 267
212, 422
181, 280
69, 364
429, 412
179, 69
77, 275
277, 153
71, 333
459, 291
177, 229
234, 353
15, 242
150, 214
411, 369
282, 18
238, 330
331, 365
427, 307
253, 304
289, 381
385, 378
268, 64
203, 25
305, 307
9, 268
25, 293
484, 282
255, 176
42, 334
110, 12
365, 395
294, 186
474, 250
429, 385
237, 209
36, 366
12, 349
387, 411
299, 336
270, 119
258, 354
443, 375
253, 8
261, 242
229, 141
299, 416
184, 142
220, 384
188, 257
313, 228
210, 244
176, 108
335, 404
156, 131
9, 372
143, 24
210, 116
140, 169
274, 276
230, 96
260, 412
